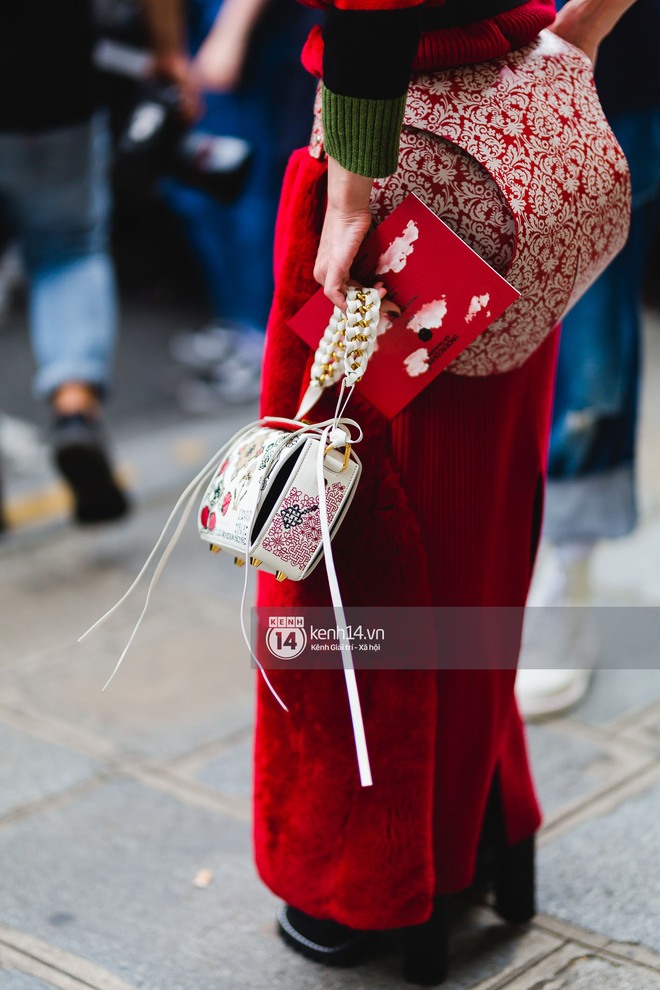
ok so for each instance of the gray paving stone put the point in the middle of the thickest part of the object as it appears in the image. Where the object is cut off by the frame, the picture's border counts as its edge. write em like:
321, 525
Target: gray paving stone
645, 731
565, 767
652, 733
48, 597
614, 693
52, 593
573, 968
186, 681
483, 949
603, 874
231, 772
110, 879
11, 980
626, 569
31, 769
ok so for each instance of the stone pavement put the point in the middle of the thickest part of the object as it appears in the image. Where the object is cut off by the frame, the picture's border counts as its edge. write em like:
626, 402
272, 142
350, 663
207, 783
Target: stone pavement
112, 803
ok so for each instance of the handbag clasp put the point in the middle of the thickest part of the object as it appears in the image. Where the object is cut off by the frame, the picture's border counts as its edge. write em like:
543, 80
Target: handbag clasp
347, 455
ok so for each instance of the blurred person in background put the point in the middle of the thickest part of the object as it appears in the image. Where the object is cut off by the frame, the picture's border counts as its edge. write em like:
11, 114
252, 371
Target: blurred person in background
238, 66
591, 490
55, 196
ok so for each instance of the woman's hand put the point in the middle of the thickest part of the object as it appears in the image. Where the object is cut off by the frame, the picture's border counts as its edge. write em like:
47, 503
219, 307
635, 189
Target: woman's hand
584, 23
175, 67
347, 222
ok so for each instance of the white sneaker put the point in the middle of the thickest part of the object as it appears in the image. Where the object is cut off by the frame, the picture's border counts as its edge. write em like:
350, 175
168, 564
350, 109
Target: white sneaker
541, 693
201, 350
235, 378
556, 632
239, 379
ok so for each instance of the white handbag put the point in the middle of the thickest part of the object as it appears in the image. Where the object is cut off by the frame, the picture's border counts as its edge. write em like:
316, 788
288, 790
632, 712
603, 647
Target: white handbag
282, 483
277, 492
263, 503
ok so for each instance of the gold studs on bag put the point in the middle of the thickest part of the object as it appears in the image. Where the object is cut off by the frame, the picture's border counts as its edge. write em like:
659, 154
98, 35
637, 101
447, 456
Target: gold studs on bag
239, 561
214, 548
281, 576
255, 562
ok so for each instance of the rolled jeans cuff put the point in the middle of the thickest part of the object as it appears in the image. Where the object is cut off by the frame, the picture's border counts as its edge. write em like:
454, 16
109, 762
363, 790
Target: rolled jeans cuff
597, 506
90, 372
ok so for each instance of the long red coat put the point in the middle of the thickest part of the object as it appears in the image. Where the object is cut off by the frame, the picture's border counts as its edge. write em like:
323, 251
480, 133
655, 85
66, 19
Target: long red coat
447, 513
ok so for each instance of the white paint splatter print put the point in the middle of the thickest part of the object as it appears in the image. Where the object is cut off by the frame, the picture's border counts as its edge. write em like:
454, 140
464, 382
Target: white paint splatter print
477, 303
431, 315
416, 364
395, 256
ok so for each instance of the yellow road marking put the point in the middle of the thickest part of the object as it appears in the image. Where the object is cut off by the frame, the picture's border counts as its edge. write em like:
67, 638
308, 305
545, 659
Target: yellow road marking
50, 503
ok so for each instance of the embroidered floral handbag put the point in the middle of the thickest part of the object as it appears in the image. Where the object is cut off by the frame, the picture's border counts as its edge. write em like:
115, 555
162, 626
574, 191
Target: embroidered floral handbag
282, 484
263, 503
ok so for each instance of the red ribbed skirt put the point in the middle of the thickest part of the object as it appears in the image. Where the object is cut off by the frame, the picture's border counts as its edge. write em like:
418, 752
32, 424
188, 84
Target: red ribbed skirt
447, 512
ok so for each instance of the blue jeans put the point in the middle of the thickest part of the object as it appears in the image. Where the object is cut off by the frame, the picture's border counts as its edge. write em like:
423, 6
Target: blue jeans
54, 192
272, 111
591, 470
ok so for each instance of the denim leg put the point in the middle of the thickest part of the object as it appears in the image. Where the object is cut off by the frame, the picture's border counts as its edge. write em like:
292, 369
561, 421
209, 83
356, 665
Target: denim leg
271, 110
55, 187
591, 484
233, 243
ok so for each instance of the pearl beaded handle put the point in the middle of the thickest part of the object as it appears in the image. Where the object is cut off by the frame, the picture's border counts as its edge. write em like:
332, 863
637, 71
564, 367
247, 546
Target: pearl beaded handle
348, 341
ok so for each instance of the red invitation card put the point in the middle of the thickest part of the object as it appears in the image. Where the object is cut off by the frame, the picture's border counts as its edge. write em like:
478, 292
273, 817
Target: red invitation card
447, 295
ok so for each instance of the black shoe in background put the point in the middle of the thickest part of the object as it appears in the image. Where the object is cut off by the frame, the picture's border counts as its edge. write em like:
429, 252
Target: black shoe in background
79, 452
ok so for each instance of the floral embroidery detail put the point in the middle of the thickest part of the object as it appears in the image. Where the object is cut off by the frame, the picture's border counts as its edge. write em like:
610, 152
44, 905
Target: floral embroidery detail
242, 486
217, 493
267, 451
212, 520
295, 532
204, 516
226, 502
293, 515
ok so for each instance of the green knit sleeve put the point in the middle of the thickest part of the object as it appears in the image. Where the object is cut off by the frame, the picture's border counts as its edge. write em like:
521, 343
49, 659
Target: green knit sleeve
363, 134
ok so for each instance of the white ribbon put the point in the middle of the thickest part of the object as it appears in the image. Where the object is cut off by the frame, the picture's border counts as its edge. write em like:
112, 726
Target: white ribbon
340, 619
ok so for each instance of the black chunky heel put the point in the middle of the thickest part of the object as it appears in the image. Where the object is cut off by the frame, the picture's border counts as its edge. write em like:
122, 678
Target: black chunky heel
508, 869
426, 948
515, 882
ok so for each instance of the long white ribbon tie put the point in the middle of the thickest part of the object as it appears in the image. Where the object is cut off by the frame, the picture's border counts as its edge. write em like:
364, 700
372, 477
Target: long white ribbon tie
184, 504
346, 653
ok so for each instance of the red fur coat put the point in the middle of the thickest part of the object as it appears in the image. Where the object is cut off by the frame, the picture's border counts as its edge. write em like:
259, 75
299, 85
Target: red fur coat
456, 528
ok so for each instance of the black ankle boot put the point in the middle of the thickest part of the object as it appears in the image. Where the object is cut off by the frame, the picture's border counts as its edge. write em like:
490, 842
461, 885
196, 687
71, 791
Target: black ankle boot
319, 939
514, 881
426, 948
81, 456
